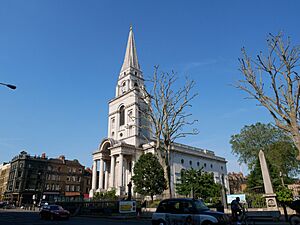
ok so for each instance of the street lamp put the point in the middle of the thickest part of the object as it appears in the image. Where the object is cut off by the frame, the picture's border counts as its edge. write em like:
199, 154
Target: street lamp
9, 86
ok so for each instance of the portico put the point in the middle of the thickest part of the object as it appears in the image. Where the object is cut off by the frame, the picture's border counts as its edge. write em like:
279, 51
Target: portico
112, 166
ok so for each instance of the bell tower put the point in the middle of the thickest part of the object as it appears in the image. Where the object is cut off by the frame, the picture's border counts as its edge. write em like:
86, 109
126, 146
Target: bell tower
125, 123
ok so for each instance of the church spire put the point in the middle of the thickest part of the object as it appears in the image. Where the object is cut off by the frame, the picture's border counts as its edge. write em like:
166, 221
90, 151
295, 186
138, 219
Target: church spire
130, 59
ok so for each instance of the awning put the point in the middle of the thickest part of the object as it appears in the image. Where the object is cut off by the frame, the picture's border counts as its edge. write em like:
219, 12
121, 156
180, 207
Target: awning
72, 193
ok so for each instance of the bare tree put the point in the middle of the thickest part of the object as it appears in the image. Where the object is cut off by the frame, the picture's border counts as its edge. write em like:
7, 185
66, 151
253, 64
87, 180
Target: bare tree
166, 110
277, 71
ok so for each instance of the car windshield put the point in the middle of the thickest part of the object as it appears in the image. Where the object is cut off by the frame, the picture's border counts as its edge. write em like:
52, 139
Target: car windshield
56, 207
200, 206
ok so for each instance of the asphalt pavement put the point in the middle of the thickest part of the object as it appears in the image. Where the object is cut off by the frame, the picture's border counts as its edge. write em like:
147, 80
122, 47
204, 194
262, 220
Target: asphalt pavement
19, 217
22, 217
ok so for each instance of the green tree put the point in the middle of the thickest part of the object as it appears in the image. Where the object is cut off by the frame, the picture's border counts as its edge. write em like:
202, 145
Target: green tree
276, 144
107, 195
149, 176
198, 183
284, 194
255, 179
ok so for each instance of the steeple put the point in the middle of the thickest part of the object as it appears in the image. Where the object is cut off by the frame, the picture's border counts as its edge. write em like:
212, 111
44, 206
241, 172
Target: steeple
131, 59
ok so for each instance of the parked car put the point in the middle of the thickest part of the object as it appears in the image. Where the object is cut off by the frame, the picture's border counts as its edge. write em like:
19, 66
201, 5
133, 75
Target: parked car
2, 204
187, 211
53, 212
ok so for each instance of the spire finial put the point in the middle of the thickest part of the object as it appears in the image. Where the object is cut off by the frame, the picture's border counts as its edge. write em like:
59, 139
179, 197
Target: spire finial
130, 59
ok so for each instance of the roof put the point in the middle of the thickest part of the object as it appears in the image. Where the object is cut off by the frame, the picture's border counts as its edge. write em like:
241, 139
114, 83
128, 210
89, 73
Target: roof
130, 59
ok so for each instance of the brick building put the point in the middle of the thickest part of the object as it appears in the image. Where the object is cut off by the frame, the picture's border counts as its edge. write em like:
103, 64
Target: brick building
237, 183
33, 179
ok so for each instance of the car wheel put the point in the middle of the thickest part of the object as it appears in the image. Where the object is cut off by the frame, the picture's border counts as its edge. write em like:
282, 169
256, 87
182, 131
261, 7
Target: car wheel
161, 222
207, 223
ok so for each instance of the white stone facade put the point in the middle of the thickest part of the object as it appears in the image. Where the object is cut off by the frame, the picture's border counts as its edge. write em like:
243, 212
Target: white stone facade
127, 137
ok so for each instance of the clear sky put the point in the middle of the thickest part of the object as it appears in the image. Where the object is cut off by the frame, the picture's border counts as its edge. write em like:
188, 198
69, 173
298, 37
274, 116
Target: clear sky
65, 57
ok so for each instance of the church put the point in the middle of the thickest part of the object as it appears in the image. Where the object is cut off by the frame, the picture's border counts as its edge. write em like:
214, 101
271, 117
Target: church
114, 160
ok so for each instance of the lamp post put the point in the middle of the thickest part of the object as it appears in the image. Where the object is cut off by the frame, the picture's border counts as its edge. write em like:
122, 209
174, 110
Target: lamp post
9, 86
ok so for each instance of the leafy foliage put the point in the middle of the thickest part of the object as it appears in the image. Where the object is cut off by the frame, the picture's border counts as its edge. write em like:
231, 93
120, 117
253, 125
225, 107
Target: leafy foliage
201, 183
276, 144
149, 176
107, 195
284, 194
255, 200
255, 179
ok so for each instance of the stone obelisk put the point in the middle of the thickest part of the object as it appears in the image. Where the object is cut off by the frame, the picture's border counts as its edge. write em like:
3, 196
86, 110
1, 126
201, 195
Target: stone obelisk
269, 195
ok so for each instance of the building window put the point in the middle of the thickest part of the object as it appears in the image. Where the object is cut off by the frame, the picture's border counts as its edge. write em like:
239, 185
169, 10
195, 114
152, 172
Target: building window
204, 164
198, 163
191, 162
67, 188
221, 167
182, 161
122, 115
211, 165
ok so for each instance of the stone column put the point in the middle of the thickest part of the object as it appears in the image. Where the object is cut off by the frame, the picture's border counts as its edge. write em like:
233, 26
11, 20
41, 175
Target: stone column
121, 170
94, 175
106, 180
101, 170
132, 166
269, 196
112, 171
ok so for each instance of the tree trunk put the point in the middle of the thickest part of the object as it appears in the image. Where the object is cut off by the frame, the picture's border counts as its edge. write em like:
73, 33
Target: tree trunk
169, 170
296, 139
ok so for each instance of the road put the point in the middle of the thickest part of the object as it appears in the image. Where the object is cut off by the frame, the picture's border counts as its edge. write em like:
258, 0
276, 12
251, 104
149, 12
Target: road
21, 217
13, 217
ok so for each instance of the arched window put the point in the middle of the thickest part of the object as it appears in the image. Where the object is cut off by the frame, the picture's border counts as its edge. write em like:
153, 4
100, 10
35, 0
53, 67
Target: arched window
122, 115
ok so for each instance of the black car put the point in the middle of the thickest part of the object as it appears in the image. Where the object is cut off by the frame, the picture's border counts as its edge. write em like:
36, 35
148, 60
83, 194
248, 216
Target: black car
53, 212
187, 211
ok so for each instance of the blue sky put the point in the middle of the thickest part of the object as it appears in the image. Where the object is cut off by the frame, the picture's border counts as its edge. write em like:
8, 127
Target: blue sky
65, 57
